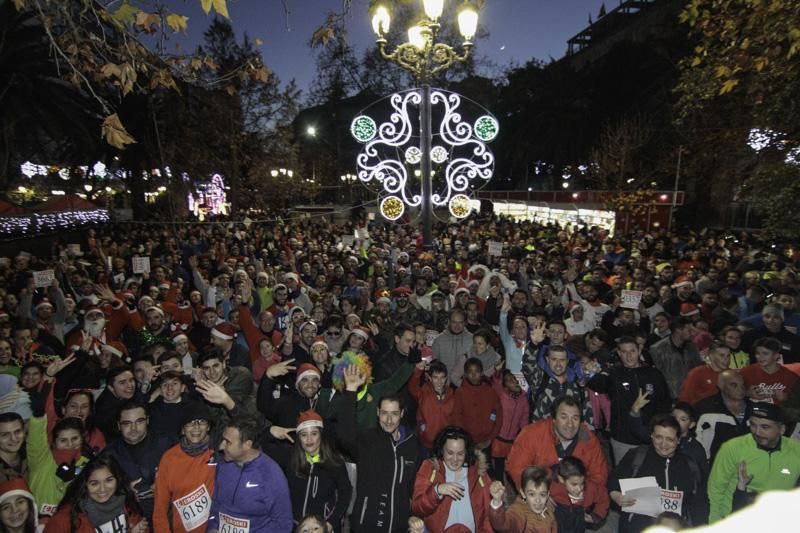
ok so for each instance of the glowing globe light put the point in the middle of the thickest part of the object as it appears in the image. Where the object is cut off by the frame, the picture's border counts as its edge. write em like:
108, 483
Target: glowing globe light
486, 128
363, 128
392, 208
459, 206
438, 154
413, 155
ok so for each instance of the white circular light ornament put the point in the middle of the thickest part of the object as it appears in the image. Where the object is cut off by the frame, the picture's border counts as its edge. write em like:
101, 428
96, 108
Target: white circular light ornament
459, 206
363, 128
63, 173
439, 154
486, 128
392, 208
413, 155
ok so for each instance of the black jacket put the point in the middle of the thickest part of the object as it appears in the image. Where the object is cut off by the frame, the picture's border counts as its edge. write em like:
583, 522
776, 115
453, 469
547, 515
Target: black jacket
284, 410
717, 425
682, 477
790, 343
386, 473
622, 386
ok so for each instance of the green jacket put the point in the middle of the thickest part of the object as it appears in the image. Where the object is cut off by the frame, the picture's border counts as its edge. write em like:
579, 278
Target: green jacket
366, 408
778, 470
47, 488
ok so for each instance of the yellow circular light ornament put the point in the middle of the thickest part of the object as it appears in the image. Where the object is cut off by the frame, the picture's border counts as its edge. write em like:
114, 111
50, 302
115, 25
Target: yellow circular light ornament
392, 208
459, 206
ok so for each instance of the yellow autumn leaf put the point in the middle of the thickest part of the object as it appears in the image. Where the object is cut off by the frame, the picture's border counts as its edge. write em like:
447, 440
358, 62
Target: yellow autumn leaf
206, 5
110, 70
177, 22
760, 63
147, 21
115, 134
728, 86
221, 7
230, 89
322, 36
19, 4
696, 61
126, 14
723, 71
127, 77
259, 42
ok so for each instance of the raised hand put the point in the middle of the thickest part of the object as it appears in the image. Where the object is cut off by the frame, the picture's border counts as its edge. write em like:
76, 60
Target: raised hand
506, 307
641, 400
537, 333
281, 433
498, 491
280, 369
58, 365
353, 379
744, 478
214, 393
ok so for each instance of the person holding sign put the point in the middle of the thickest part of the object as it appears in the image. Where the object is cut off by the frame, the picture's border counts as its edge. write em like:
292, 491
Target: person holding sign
679, 479
185, 478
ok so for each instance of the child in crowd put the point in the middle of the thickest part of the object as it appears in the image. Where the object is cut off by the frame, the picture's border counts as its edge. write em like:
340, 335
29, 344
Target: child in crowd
532, 512
435, 402
268, 357
578, 500
477, 407
515, 416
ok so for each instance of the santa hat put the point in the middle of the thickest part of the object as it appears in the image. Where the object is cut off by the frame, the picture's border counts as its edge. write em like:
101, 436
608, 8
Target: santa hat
361, 332
179, 336
462, 290
4, 314
688, 309
682, 281
473, 282
573, 306
14, 488
43, 303
309, 323
155, 308
306, 370
164, 285
399, 291
353, 315
292, 275
319, 340
92, 308
384, 297
308, 419
117, 348
224, 330
279, 286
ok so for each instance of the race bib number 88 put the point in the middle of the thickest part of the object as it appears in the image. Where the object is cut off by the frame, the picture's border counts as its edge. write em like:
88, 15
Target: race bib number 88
672, 501
231, 524
194, 508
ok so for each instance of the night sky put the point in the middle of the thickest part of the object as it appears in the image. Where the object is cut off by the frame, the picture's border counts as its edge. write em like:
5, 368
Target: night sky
519, 29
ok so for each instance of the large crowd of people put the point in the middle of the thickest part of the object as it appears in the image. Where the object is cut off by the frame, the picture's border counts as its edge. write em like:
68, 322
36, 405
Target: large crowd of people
307, 376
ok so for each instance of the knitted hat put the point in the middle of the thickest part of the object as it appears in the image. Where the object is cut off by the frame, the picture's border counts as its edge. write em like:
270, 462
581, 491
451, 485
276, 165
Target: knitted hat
224, 330
117, 348
14, 488
308, 419
306, 370
681, 281
195, 410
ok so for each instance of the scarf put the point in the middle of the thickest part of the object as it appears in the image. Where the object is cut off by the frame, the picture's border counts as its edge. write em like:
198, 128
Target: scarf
194, 450
101, 513
313, 459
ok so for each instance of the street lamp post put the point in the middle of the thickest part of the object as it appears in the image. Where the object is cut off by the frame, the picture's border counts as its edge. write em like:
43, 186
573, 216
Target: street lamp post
348, 180
424, 58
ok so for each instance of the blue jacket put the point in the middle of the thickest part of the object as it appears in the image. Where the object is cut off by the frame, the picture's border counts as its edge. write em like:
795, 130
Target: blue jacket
256, 493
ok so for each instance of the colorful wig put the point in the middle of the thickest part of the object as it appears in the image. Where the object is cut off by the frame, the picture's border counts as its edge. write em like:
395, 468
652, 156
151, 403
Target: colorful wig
346, 359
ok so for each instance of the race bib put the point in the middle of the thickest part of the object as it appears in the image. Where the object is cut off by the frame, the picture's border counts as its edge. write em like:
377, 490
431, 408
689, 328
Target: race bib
49, 509
117, 525
672, 501
194, 508
231, 524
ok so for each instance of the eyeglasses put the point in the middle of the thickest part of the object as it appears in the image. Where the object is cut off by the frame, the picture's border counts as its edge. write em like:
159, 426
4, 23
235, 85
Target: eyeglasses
199, 423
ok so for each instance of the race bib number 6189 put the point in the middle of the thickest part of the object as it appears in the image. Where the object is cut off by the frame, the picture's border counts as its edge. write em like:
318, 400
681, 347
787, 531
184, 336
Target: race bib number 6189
194, 508
231, 524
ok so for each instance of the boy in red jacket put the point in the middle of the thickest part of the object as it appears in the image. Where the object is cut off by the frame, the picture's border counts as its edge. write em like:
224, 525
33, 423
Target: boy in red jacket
477, 407
435, 402
578, 500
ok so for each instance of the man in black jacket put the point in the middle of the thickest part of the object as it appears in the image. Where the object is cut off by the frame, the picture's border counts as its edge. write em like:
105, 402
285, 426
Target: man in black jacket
402, 352
723, 416
386, 458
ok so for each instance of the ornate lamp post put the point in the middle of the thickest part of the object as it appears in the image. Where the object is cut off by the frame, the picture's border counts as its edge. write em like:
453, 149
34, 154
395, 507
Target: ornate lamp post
424, 58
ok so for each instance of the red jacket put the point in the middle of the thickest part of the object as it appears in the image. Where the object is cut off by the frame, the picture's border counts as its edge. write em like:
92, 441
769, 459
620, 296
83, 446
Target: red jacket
433, 414
595, 499
536, 445
478, 411
515, 417
60, 522
434, 510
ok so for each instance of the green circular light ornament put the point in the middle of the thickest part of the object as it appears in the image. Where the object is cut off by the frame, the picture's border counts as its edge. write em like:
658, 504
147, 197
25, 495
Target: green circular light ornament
413, 155
486, 128
438, 154
459, 206
392, 208
363, 128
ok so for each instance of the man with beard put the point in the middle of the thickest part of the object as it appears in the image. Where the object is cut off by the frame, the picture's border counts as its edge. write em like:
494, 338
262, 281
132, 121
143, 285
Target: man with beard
683, 293
300, 351
589, 298
26, 348
420, 298
404, 312
283, 411
454, 342
281, 307
296, 295
222, 338
650, 301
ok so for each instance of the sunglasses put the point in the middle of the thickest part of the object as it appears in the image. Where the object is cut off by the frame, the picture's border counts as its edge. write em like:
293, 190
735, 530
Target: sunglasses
333, 333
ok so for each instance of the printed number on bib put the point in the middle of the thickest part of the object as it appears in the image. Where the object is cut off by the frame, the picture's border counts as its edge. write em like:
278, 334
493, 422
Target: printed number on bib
194, 508
672, 501
118, 525
231, 524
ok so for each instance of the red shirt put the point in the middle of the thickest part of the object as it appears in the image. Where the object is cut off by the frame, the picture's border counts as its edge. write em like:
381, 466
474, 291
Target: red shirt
782, 380
700, 383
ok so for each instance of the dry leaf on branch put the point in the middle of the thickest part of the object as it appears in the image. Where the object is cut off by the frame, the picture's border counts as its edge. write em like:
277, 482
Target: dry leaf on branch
114, 132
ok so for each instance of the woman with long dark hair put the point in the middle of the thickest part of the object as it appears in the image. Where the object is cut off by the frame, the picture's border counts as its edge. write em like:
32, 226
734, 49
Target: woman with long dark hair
99, 499
317, 477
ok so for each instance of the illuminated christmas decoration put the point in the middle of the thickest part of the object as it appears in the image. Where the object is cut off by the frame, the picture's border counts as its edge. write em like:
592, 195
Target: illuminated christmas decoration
363, 128
31, 169
486, 128
208, 198
39, 223
438, 154
459, 206
392, 208
391, 155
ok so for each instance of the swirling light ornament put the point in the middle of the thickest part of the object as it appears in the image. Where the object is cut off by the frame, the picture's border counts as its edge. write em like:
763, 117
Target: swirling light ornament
393, 153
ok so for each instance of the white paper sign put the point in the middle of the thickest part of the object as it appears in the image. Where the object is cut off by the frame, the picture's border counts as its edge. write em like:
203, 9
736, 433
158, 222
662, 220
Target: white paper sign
141, 265
370, 216
43, 278
630, 299
348, 240
495, 248
646, 492
74, 249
